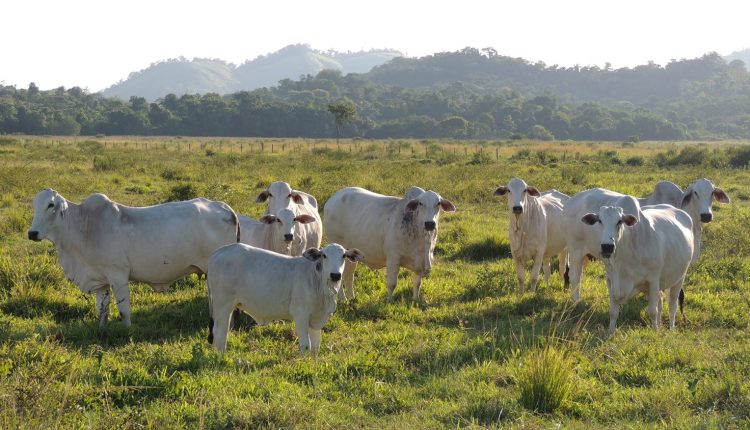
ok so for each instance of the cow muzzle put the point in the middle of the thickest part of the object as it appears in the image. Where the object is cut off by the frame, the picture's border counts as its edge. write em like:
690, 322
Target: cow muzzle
288, 237
707, 217
34, 235
518, 210
608, 249
335, 277
429, 225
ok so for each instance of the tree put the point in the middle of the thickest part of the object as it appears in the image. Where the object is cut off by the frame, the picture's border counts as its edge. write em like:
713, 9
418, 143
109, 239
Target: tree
342, 112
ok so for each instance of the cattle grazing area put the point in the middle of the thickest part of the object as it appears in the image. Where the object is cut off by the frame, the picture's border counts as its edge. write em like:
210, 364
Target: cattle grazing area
466, 349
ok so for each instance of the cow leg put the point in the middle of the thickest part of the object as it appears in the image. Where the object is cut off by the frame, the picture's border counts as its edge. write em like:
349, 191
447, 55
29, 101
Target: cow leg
674, 294
302, 323
562, 267
521, 273
102, 304
122, 295
546, 269
391, 277
614, 312
220, 327
575, 269
416, 281
349, 268
315, 340
654, 297
536, 267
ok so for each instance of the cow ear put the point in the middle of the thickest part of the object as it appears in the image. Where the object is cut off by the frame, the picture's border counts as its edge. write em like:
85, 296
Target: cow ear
304, 218
297, 198
686, 198
312, 254
590, 219
61, 206
354, 254
532, 191
262, 197
412, 205
500, 191
447, 205
629, 220
268, 219
720, 196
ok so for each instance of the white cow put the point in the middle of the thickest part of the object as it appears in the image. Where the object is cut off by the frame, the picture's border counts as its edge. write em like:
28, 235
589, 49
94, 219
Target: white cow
582, 241
277, 232
647, 253
101, 243
696, 201
392, 232
280, 195
270, 286
534, 229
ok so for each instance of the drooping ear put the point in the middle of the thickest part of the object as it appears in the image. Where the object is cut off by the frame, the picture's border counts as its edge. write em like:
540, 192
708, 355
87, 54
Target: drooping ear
447, 205
304, 218
268, 219
313, 254
686, 198
297, 198
720, 196
590, 219
61, 206
412, 206
262, 197
532, 191
354, 254
629, 220
500, 191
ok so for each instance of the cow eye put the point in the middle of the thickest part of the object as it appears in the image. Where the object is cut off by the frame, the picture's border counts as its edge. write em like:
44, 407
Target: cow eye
278, 220
51, 205
324, 256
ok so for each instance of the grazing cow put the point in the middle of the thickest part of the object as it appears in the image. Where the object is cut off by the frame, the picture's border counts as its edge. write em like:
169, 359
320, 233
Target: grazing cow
696, 201
101, 243
392, 232
276, 233
582, 241
270, 286
280, 195
648, 253
535, 230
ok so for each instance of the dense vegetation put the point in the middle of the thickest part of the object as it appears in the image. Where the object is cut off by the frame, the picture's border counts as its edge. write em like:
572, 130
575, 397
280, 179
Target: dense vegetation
465, 94
475, 355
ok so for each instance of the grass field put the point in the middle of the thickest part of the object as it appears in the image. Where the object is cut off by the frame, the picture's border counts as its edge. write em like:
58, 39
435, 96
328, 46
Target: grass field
475, 355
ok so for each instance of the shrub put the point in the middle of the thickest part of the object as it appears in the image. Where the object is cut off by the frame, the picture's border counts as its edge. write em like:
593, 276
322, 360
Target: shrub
91, 146
739, 157
181, 192
480, 157
545, 379
635, 160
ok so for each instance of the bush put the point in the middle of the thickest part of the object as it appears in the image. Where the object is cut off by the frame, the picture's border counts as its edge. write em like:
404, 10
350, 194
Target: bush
480, 157
91, 146
635, 160
181, 192
545, 379
739, 157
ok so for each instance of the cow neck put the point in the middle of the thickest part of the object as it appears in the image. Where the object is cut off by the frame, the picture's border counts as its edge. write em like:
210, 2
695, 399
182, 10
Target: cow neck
325, 296
645, 232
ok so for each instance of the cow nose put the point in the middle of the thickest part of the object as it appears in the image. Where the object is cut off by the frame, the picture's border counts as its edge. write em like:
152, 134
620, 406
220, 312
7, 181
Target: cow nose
288, 237
517, 210
607, 249
429, 225
707, 217
34, 235
335, 277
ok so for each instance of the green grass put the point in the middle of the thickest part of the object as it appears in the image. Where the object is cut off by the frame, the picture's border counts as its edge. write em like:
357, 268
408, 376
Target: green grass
476, 355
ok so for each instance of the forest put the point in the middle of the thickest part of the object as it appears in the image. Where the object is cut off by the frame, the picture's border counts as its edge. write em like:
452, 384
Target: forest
467, 94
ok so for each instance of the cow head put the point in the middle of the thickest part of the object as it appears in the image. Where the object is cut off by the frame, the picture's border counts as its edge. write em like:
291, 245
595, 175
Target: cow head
279, 195
612, 221
697, 199
518, 194
330, 261
284, 221
49, 209
425, 208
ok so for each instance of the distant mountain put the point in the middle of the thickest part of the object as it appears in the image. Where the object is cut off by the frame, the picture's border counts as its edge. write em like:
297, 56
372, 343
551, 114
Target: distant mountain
743, 55
181, 76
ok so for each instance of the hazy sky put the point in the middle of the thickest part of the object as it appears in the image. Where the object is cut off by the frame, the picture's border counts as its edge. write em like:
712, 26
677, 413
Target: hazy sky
93, 44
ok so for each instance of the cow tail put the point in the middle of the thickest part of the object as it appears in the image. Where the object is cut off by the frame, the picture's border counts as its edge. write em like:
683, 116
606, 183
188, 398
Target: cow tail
211, 315
566, 277
681, 300
237, 221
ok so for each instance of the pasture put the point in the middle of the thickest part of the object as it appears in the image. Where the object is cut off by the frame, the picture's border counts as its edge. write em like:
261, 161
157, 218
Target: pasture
475, 354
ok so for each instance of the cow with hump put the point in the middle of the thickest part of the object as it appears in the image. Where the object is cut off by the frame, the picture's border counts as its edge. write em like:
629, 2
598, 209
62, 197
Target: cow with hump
535, 230
270, 286
643, 251
103, 244
392, 232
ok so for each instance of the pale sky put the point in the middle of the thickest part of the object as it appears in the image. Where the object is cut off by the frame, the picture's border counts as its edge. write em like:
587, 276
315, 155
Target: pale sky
93, 44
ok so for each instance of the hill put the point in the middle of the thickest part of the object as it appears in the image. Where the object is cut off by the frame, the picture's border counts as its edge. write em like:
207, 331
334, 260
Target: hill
742, 55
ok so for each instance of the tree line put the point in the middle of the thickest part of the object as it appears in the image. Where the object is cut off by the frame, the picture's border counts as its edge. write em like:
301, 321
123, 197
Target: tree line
706, 97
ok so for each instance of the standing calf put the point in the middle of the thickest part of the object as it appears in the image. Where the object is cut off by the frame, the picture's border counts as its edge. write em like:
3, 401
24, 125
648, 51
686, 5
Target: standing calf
270, 286
277, 233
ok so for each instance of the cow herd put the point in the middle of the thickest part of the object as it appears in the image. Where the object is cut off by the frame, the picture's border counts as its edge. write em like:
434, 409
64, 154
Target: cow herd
273, 268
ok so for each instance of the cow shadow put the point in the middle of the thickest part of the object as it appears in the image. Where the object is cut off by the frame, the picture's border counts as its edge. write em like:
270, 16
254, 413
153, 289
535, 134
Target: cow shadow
488, 249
